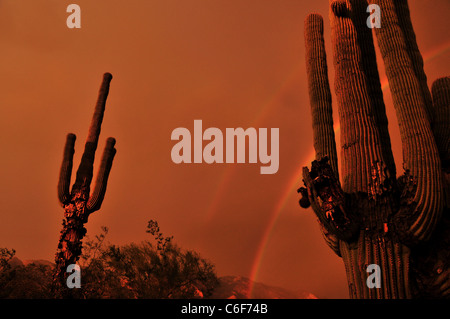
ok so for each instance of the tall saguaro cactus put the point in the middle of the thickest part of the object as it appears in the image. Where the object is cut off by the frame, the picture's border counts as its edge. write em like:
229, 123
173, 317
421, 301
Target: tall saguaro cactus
369, 216
79, 203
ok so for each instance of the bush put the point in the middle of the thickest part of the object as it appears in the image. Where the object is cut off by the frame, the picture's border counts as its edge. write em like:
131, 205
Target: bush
144, 270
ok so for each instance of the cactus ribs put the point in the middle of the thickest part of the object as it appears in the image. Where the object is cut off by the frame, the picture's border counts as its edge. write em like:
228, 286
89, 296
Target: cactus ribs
401, 224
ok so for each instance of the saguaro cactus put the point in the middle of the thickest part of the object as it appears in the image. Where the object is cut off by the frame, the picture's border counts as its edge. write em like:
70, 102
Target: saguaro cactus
369, 216
79, 203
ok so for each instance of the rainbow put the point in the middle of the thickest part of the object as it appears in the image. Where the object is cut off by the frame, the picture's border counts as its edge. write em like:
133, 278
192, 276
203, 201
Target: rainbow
289, 191
264, 111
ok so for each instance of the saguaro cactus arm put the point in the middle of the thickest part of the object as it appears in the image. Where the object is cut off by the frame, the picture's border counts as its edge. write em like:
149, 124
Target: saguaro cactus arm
364, 132
441, 128
441, 113
85, 170
96, 198
66, 169
420, 154
319, 91
404, 19
322, 119
97, 118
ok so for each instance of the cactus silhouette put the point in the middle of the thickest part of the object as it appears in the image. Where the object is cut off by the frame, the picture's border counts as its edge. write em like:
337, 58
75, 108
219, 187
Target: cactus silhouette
79, 203
366, 214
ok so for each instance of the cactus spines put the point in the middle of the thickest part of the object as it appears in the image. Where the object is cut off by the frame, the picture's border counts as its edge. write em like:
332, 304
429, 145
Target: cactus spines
79, 203
373, 217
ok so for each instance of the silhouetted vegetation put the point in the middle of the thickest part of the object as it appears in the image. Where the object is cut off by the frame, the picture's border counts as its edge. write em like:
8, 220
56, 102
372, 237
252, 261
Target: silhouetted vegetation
155, 268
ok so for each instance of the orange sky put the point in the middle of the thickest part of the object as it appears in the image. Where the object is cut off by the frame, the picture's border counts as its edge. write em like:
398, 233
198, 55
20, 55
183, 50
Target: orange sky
230, 63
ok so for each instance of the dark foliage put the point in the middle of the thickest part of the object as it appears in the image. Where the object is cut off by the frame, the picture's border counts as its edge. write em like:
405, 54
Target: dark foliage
136, 270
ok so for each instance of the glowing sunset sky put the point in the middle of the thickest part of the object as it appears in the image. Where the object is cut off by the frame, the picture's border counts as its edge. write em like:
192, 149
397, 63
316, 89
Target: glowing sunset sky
230, 63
